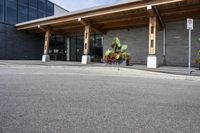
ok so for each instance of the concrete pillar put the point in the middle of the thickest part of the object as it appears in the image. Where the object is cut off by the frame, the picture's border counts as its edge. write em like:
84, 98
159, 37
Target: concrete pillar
152, 58
45, 56
67, 48
86, 57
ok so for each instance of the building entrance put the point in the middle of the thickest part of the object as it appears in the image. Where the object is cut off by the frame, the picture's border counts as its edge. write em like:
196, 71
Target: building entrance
96, 47
62, 50
76, 48
57, 48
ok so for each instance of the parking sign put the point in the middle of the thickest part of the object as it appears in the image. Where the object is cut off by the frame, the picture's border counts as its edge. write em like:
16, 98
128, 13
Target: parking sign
190, 24
190, 28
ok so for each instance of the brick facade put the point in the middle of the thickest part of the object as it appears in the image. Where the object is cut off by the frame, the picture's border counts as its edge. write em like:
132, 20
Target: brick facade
176, 43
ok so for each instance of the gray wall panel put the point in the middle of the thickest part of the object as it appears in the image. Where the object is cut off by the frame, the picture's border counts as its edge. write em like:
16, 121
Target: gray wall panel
19, 45
136, 39
176, 43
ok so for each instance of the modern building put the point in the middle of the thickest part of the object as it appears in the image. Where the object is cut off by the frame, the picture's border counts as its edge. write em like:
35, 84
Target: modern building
23, 45
155, 32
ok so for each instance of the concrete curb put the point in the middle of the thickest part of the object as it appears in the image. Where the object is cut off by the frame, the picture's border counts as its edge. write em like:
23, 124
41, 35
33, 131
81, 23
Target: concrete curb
123, 71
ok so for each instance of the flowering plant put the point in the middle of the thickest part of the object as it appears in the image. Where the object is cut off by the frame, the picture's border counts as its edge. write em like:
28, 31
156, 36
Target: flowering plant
117, 54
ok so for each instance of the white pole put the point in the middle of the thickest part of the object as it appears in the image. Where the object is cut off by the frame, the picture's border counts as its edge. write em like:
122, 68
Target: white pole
189, 60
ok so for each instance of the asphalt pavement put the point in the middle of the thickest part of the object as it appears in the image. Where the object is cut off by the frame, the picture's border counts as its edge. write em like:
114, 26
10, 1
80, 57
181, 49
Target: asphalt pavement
74, 99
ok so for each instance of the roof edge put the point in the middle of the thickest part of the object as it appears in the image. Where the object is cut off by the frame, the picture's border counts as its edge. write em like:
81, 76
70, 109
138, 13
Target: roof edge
86, 10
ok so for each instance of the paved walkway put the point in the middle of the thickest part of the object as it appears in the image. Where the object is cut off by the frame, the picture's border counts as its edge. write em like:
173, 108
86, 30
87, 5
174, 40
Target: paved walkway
162, 69
169, 69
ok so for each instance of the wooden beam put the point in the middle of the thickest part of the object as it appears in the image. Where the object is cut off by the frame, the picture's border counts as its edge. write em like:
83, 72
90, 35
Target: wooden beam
122, 19
127, 24
46, 42
69, 27
150, 10
44, 29
153, 11
82, 21
180, 11
93, 26
152, 35
93, 13
127, 27
159, 18
86, 40
60, 32
41, 28
172, 9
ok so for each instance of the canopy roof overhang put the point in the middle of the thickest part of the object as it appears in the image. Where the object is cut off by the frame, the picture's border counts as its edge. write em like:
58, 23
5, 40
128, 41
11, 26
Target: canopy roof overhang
116, 16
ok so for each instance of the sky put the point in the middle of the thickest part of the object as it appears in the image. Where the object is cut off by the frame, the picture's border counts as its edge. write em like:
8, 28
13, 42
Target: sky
73, 5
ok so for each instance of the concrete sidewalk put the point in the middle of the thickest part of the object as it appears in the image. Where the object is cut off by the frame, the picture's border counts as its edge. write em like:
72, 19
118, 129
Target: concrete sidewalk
169, 69
161, 69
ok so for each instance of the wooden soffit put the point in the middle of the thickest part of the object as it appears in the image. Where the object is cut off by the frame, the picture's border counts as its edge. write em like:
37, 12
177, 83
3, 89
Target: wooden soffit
122, 16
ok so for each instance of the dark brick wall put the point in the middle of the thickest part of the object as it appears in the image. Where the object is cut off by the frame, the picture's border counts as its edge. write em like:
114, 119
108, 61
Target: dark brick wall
136, 39
19, 45
176, 43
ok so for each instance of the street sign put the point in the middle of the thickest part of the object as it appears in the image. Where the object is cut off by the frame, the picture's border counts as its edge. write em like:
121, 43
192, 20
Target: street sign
190, 24
190, 28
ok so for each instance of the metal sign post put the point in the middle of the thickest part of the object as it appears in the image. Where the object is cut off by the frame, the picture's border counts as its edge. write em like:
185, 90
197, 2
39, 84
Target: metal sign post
189, 56
190, 28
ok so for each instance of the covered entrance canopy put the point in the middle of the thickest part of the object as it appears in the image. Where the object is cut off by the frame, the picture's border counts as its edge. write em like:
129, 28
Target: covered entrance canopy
136, 13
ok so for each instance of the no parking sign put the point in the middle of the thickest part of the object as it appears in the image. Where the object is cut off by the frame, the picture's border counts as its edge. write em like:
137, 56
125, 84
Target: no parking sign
190, 24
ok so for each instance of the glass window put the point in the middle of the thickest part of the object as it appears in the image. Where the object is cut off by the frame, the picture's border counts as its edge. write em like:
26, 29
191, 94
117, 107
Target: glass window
22, 10
33, 3
41, 5
32, 13
1, 10
41, 14
23, 2
73, 49
32, 9
11, 12
41, 8
50, 9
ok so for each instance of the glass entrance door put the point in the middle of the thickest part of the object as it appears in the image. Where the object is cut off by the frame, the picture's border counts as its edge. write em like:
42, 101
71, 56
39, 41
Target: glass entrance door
76, 48
79, 48
57, 48
96, 47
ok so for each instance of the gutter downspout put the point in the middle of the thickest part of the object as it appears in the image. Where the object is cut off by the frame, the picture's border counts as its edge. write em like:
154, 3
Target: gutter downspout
164, 46
164, 35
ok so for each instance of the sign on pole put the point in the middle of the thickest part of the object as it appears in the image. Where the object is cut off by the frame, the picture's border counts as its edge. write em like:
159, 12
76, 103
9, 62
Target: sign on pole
190, 28
190, 24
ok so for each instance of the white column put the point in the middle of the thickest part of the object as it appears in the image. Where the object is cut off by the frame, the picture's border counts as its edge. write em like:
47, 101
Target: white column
67, 49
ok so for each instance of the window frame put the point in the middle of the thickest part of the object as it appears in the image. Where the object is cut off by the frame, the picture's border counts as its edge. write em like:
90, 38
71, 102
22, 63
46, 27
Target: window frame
42, 10
9, 11
18, 10
32, 7
2, 19
47, 9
